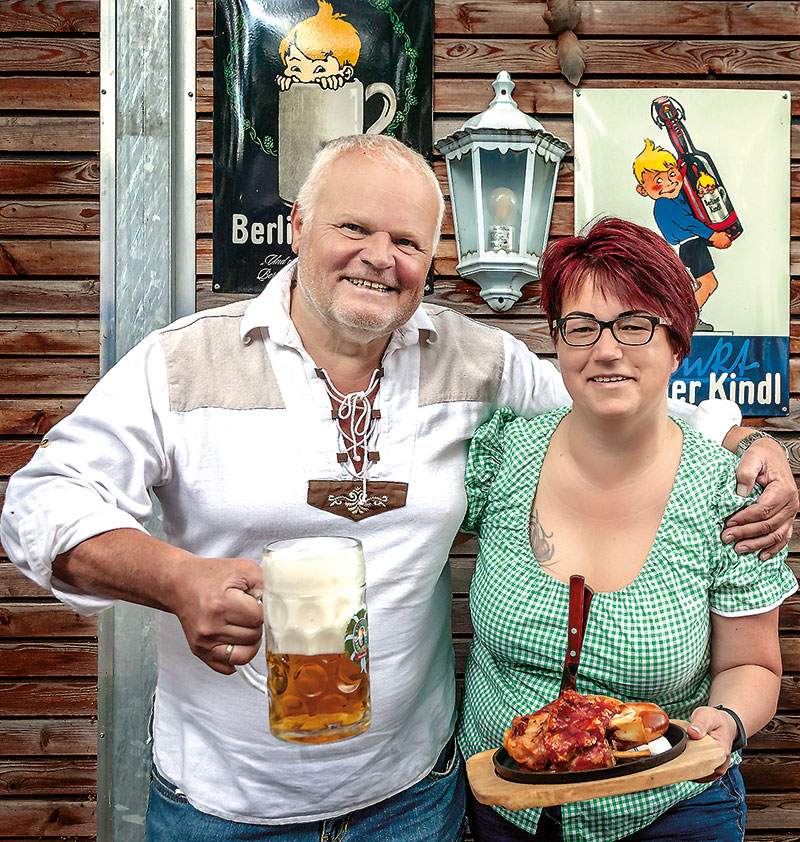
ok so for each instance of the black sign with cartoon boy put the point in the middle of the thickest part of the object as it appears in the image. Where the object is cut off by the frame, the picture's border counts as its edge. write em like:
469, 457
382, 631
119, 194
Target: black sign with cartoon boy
289, 76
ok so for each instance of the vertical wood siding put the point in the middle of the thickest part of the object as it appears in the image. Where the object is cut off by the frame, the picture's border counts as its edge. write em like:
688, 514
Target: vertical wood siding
49, 288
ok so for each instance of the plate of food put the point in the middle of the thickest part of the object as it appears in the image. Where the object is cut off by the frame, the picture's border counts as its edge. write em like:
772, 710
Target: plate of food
581, 746
587, 737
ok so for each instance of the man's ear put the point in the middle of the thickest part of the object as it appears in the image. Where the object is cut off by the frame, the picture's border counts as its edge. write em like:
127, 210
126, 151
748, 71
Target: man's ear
347, 71
297, 226
640, 190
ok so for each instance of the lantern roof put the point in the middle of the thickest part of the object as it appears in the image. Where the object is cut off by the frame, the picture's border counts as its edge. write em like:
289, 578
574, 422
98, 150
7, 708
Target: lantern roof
503, 126
503, 112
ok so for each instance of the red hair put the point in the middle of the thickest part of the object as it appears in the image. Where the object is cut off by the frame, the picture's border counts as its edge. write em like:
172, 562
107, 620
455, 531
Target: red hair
631, 263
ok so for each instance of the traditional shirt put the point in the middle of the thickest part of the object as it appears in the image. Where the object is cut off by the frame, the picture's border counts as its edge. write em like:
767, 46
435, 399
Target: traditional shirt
224, 416
649, 641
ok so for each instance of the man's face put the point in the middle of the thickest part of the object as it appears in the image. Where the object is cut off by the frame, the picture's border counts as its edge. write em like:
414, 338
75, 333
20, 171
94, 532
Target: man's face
365, 255
665, 184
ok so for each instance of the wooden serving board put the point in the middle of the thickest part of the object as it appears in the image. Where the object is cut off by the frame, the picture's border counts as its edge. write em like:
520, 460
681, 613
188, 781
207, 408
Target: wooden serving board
699, 759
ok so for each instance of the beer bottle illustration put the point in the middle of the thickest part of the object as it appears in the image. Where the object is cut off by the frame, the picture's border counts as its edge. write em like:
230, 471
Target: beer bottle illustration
702, 183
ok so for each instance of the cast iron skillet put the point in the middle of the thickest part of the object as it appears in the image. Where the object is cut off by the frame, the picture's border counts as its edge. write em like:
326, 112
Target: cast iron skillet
508, 769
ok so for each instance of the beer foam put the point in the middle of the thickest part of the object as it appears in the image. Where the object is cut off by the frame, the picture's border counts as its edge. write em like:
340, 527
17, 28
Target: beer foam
312, 589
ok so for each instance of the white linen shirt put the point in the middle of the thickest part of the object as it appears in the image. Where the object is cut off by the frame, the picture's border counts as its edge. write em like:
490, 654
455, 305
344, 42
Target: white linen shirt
222, 414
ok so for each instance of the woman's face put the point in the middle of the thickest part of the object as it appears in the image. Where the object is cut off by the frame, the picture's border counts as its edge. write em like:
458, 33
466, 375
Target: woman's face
609, 379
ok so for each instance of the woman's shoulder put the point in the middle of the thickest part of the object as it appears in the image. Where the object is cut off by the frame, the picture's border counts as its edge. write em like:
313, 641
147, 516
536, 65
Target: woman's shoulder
709, 472
703, 451
506, 422
505, 439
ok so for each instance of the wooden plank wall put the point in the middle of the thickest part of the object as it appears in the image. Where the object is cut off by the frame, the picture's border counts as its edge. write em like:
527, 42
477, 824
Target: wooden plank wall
49, 264
49, 287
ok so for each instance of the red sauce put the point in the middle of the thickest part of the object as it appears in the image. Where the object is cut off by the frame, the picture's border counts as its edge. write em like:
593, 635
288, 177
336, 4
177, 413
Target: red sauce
574, 738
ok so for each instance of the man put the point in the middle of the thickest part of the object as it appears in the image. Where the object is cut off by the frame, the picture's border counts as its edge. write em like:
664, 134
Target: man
331, 404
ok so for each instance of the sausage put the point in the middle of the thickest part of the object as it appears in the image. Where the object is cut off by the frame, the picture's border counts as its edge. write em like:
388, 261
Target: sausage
637, 723
577, 732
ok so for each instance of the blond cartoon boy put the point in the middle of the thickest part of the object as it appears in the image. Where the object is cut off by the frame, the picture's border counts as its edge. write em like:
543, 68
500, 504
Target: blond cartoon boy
322, 49
658, 177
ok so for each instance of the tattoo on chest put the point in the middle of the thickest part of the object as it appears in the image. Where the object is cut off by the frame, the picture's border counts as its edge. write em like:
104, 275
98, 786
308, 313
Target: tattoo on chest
541, 543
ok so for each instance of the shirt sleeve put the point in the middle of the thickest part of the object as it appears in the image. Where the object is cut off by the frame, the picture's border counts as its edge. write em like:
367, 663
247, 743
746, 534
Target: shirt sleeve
677, 222
483, 462
530, 385
92, 472
744, 584
712, 418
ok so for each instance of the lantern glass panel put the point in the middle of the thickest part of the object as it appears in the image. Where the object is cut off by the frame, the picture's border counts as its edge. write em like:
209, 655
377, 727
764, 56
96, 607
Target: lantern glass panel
502, 188
544, 174
462, 203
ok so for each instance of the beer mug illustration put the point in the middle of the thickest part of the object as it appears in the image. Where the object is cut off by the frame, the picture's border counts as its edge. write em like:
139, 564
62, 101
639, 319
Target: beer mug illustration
315, 624
309, 115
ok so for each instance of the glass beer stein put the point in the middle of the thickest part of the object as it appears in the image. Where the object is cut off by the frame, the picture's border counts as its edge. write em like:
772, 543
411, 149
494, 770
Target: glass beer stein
315, 623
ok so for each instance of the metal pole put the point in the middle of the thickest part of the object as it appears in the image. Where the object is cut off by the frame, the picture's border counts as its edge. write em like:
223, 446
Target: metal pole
147, 279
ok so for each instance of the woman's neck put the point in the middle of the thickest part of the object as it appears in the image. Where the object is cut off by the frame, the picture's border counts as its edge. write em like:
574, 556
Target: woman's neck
613, 452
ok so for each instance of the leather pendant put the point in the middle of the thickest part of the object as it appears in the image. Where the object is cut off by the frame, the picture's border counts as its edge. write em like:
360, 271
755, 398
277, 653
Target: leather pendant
347, 499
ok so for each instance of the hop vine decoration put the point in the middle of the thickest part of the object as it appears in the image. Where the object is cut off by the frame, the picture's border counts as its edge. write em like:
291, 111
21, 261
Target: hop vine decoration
562, 16
411, 76
266, 144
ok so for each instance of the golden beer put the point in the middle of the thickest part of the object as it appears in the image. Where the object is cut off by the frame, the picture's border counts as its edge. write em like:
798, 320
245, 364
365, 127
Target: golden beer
317, 698
315, 619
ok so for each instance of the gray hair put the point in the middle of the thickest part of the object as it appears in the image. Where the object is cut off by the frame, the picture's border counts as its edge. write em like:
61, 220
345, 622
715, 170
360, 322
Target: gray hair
379, 146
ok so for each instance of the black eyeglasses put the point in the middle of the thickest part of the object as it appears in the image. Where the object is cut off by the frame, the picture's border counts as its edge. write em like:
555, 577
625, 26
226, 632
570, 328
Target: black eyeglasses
581, 331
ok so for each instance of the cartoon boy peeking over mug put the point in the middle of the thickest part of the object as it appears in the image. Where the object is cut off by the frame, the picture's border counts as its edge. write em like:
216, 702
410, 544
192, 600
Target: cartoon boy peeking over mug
322, 49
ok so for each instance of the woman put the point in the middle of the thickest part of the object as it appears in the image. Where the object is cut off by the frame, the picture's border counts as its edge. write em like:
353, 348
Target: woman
633, 500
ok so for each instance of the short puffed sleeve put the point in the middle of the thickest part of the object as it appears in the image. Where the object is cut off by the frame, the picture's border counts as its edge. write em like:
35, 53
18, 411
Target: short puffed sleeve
483, 462
744, 584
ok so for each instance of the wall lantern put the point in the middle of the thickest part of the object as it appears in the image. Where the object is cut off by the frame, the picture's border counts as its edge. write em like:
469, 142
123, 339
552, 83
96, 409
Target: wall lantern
501, 167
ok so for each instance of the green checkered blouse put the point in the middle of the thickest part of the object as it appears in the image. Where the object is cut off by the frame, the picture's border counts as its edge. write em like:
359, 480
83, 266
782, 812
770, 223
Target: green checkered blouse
649, 641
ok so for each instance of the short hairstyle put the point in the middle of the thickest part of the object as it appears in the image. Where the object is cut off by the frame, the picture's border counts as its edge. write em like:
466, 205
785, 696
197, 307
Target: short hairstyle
629, 262
652, 159
379, 146
325, 34
706, 180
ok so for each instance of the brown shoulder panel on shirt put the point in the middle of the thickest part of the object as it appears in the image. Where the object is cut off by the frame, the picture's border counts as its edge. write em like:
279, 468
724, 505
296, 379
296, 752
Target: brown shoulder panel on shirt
208, 365
465, 363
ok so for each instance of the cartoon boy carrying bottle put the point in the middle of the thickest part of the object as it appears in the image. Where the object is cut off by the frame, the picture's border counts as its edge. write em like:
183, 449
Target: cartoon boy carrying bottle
658, 176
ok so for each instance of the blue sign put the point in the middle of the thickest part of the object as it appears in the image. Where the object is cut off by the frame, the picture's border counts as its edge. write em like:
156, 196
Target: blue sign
749, 370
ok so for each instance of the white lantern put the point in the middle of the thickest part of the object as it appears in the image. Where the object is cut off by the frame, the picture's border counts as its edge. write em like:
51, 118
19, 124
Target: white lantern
502, 167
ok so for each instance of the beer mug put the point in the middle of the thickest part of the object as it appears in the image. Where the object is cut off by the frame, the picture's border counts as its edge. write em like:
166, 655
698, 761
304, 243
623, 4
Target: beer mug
315, 624
309, 115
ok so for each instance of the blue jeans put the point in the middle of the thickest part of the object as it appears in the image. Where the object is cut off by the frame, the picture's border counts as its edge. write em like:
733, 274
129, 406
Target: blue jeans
430, 811
715, 815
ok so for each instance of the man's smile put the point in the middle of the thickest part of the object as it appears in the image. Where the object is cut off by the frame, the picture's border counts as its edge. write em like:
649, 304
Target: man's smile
363, 282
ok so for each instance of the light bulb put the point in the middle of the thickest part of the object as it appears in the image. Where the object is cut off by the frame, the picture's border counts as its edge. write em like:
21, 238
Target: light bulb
501, 207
